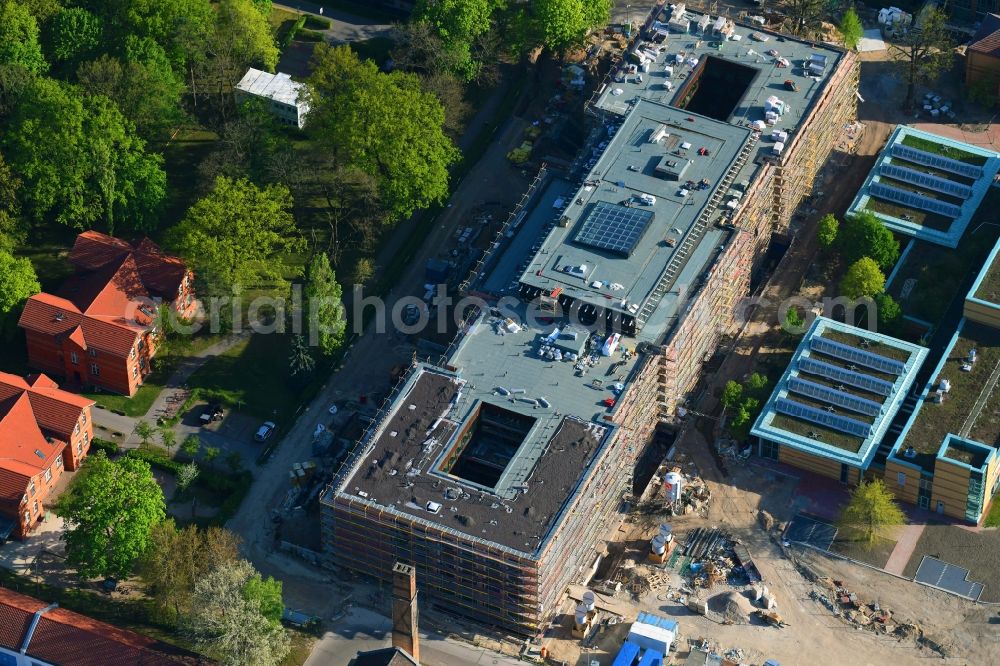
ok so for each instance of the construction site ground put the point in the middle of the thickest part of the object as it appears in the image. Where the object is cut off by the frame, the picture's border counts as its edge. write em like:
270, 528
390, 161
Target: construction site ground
955, 629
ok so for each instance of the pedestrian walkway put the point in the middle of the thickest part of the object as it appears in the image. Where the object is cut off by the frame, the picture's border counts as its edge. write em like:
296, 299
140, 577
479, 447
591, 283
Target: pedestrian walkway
905, 545
174, 388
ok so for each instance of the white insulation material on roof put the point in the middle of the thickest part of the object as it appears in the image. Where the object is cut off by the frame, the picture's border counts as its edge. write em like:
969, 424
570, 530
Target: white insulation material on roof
651, 637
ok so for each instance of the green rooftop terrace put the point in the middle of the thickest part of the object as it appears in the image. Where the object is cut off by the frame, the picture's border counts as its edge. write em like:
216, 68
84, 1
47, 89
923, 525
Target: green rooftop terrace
971, 408
941, 149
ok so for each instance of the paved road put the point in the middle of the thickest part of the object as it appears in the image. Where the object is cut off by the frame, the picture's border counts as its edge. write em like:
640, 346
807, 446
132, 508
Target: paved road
345, 27
363, 630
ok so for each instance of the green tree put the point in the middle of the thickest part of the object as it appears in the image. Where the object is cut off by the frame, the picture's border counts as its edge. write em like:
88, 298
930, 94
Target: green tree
756, 385
851, 30
144, 431
191, 445
864, 235
236, 235
19, 38
458, 23
186, 476
80, 159
18, 282
300, 359
731, 394
266, 594
323, 300
263, 6
168, 437
143, 85
871, 509
804, 16
110, 509
229, 623
923, 52
176, 559
382, 124
863, 279
742, 421
12, 227
558, 25
363, 271
234, 461
890, 314
793, 319
240, 37
211, 453
826, 233
72, 34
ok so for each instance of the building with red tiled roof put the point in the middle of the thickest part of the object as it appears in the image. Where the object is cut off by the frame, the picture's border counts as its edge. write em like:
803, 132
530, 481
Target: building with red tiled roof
982, 55
97, 329
34, 633
43, 430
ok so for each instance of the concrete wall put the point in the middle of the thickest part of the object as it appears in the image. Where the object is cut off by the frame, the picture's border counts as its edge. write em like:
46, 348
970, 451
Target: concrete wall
982, 313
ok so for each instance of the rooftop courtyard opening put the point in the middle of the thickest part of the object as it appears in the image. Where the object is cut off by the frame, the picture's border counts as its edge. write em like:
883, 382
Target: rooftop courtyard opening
716, 87
486, 444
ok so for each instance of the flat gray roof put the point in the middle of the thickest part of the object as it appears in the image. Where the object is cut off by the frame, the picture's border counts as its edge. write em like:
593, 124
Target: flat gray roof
748, 51
610, 278
400, 466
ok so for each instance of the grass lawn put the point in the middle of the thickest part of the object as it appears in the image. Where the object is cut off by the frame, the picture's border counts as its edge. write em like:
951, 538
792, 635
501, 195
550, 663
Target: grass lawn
279, 16
182, 155
993, 517
301, 647
850, 544
140, 403
252, 376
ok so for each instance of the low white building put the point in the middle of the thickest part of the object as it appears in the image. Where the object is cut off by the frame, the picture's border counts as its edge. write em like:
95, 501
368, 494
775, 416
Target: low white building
281, 93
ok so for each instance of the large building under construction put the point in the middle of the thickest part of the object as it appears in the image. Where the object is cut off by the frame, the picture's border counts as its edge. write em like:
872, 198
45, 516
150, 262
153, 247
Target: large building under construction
498, 471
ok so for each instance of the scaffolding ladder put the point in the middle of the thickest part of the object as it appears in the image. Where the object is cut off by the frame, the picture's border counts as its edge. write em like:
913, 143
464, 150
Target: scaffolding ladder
695, 234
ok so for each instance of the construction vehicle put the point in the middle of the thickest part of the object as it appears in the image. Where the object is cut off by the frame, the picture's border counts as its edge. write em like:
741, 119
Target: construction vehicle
771, 618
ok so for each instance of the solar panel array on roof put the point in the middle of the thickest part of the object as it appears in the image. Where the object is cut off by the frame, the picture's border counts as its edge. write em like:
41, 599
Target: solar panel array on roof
849, 377
926, 180
936, 161
855, 355
914, 200
834, 397
828, 419
613, 227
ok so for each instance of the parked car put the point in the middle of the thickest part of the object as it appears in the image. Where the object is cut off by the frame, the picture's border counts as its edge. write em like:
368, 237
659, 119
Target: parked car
212, 413
265, 431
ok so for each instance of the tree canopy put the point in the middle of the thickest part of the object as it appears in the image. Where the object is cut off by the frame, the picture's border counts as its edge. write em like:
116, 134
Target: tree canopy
142, 84
18, 282
323, 294
924, 51
231, 616
863, 279
80, 160
110, 509
382, 124
235, 236
178, 558
826, 233
851, 30
560, 25
72, 34
459, 24
871, 509
864, 235
19, 38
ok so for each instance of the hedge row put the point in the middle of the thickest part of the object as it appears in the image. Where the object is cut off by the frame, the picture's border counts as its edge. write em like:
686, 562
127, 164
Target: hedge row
287, 37
156, 457
310, 36
318, 22
111, 448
